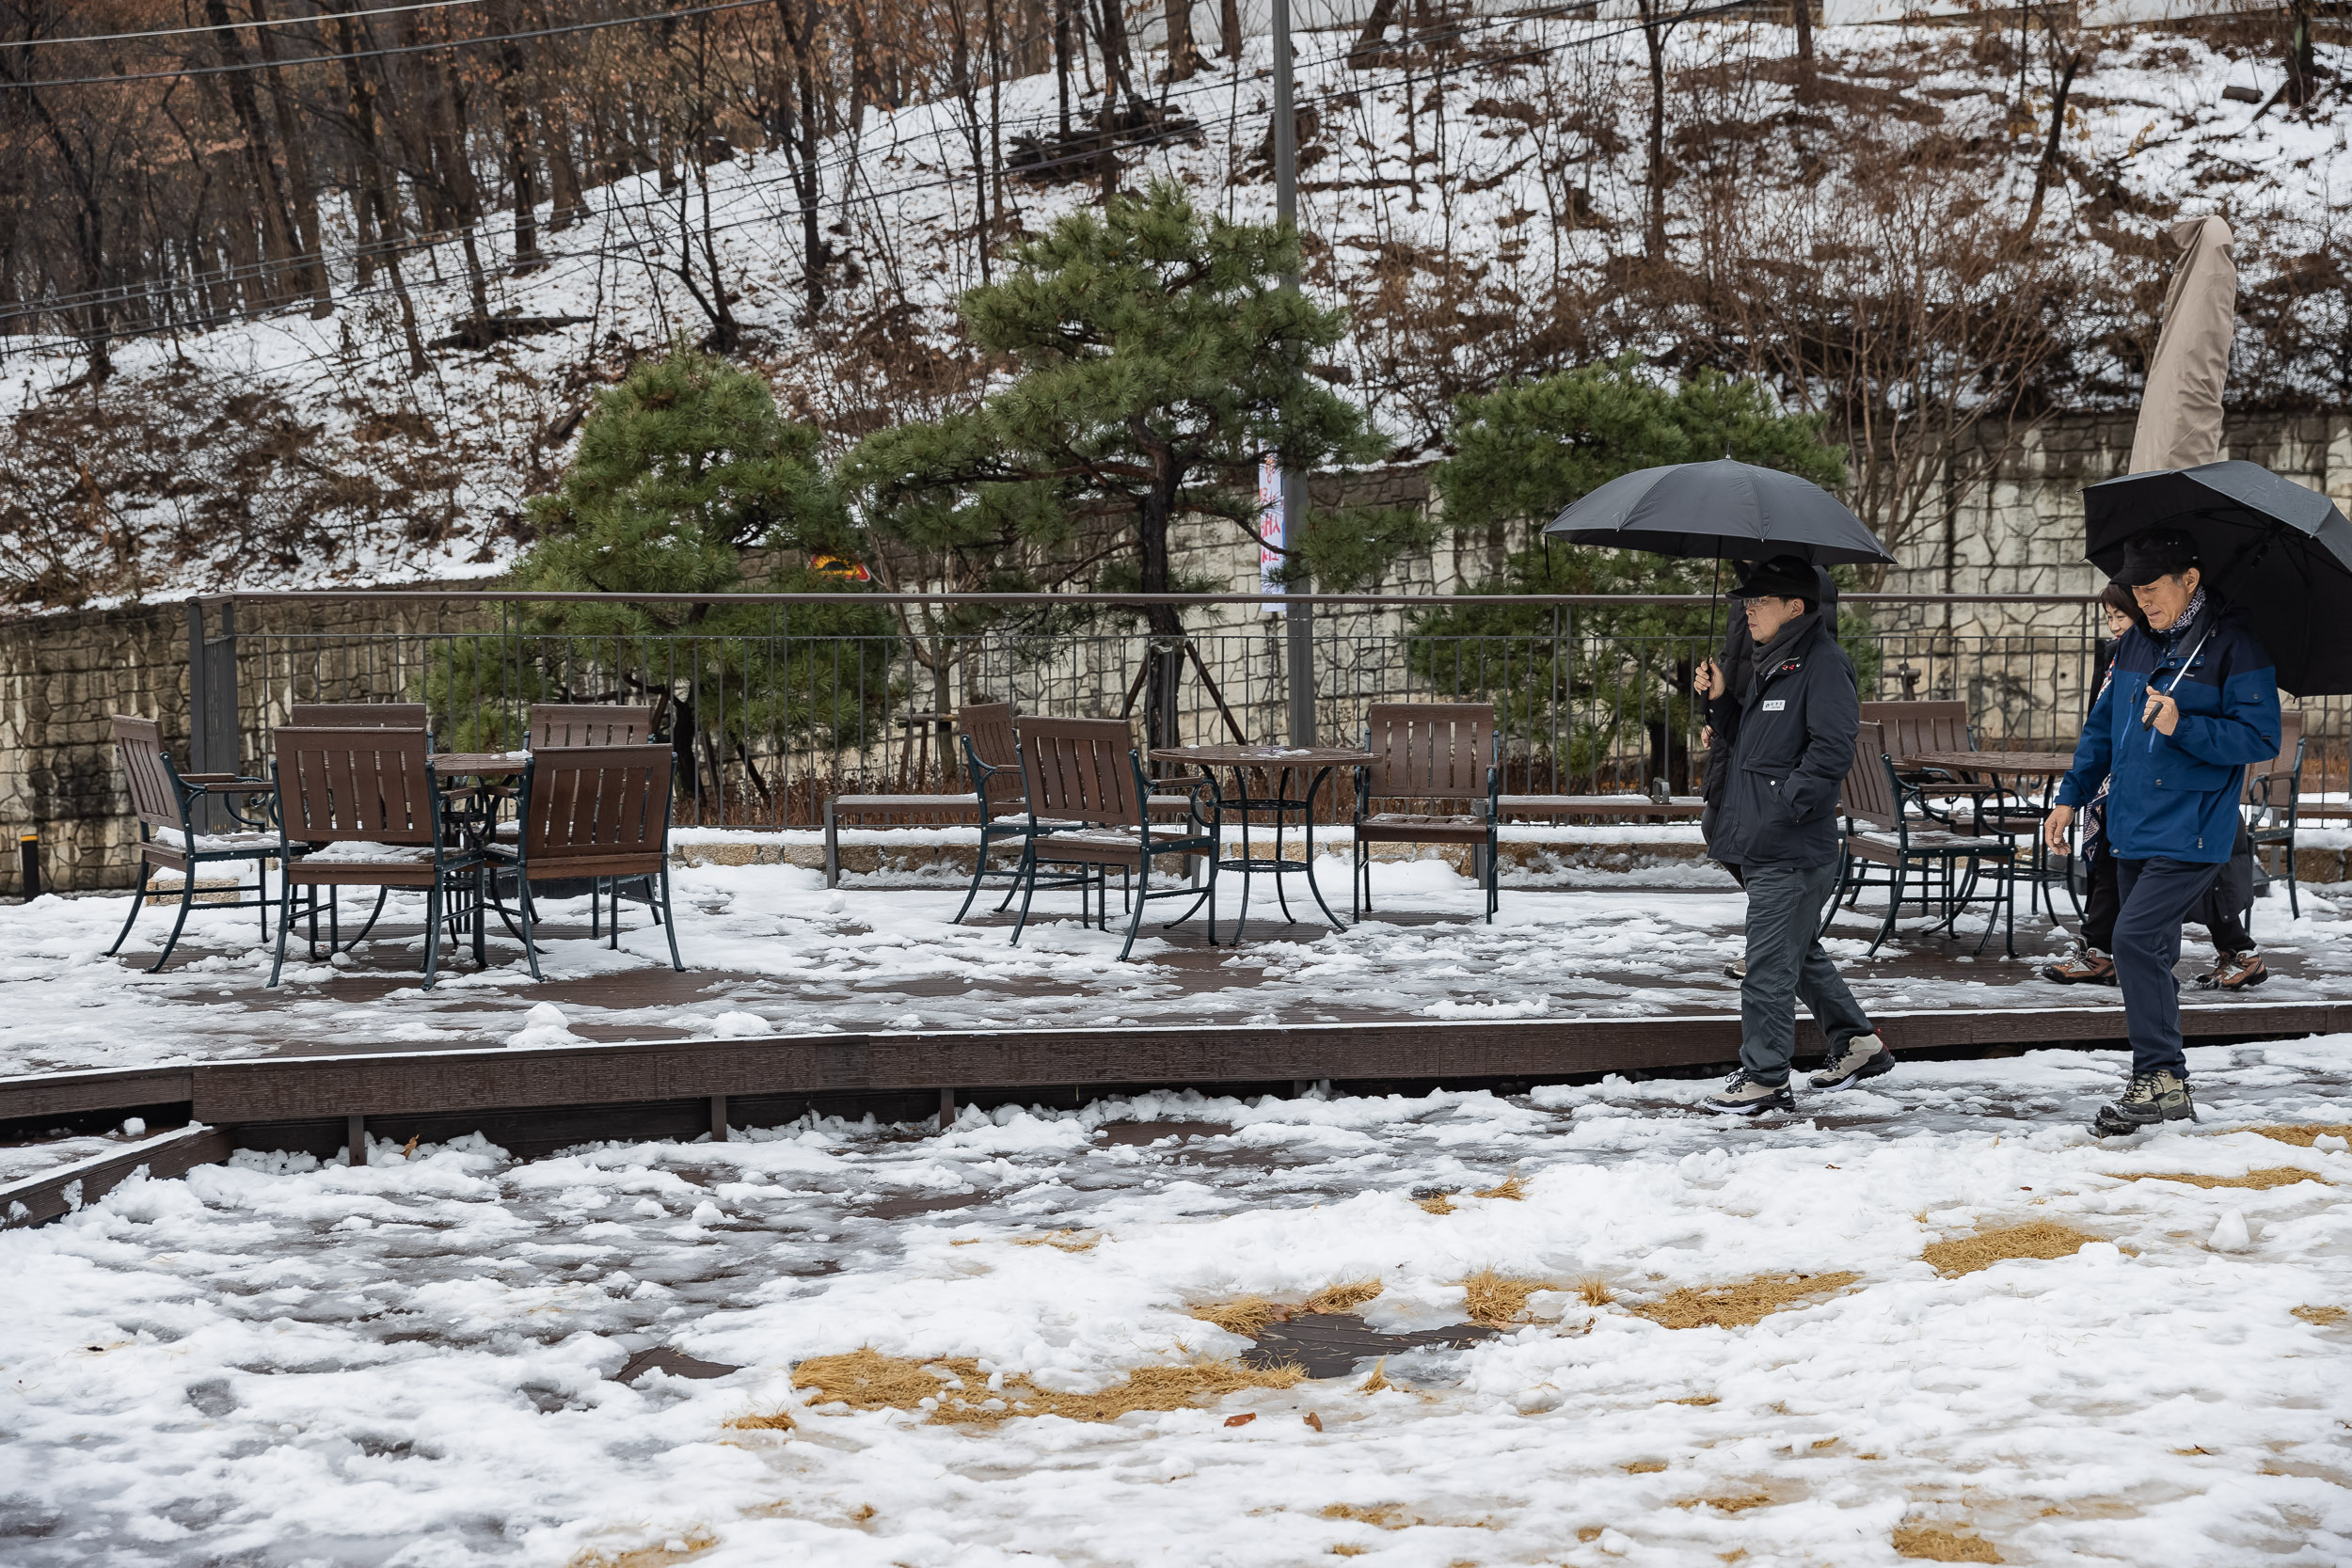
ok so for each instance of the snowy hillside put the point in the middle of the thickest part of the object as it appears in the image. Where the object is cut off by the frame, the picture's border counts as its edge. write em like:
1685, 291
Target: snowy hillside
1484, 219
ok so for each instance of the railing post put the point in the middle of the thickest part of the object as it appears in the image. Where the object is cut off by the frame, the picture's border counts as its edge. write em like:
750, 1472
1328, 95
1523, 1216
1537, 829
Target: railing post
212, 703
1301, 632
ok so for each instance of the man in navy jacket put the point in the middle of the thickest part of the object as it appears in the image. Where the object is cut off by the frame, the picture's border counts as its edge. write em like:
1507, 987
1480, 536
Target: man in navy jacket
1784, 742
2193, 701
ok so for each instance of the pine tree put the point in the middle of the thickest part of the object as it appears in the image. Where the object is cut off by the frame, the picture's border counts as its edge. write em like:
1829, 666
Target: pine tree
1155, 358
687, 479
1525, 451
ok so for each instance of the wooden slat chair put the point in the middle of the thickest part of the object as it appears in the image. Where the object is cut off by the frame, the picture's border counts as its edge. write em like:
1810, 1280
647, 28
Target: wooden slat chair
563, 726
1084, 777
992, 755
358, 715
599, 813
165, 800
1429, 754
2273, 799
1881, 831
366, 803
366, 716
991, 743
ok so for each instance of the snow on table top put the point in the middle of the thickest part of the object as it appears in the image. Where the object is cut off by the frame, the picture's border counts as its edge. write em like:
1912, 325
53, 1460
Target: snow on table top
313, 1362
771, 950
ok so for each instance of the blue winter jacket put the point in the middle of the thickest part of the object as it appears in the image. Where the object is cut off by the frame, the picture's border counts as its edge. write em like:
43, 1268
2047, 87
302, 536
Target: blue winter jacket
2176, 796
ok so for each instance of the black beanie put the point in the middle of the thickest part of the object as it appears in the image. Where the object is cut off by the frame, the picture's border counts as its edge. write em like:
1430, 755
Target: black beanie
1784, 576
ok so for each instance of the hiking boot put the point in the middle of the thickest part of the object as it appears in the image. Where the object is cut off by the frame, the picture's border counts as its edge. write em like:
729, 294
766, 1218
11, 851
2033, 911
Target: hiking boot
2148, 1098
1744, 1094
2236, 972
2084, 966
1737, 969
1863, 1056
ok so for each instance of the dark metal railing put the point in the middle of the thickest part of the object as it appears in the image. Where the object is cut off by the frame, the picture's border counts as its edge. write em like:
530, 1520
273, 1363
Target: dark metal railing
778, 701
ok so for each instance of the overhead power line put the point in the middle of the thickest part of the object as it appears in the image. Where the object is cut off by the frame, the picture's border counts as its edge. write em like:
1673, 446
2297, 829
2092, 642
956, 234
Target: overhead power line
375, 53
237, 26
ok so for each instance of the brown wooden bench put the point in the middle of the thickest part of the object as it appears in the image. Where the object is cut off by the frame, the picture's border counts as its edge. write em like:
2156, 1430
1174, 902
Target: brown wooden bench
1674, 808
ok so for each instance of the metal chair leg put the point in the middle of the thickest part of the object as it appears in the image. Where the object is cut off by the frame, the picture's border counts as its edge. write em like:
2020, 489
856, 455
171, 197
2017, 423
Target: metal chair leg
188, 901
433, 916
138, 900
530, 948
1135, 920
285, 924
669, 926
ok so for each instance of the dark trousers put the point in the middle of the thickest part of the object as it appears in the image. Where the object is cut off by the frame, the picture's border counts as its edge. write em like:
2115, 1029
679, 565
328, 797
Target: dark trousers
2223, 911
2102, 902
1785, 962
2158, 894
2227, 904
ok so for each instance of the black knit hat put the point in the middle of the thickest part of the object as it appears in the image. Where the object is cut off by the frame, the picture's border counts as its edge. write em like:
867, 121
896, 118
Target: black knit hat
1784, 576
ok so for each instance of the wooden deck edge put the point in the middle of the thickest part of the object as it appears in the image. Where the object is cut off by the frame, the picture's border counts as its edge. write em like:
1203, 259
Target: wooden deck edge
539, 1099
51, 1195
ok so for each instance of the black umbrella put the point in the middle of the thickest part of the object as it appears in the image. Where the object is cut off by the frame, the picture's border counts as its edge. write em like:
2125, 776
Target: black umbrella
1720, 510
2281, 552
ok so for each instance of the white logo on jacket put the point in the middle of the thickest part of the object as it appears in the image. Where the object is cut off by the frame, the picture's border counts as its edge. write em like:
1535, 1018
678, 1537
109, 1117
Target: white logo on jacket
1775, 704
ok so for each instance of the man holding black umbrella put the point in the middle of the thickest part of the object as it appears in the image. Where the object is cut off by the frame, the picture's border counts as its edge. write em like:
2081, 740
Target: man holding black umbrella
2193, 699
1788, 739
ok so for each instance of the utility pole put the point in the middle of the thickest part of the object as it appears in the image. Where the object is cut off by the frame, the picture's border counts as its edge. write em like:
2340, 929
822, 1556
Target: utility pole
1301, 612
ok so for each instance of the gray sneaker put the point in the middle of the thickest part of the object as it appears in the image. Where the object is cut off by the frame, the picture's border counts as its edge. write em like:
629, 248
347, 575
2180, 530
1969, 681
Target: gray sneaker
1863, 1056
1744, 1094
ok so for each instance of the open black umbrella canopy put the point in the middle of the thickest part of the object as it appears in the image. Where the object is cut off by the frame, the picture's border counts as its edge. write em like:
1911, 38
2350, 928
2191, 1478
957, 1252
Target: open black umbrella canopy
1720, 510
2280, 551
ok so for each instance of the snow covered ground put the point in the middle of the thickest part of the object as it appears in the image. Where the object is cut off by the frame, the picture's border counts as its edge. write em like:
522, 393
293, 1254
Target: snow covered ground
279, 1362
772, 951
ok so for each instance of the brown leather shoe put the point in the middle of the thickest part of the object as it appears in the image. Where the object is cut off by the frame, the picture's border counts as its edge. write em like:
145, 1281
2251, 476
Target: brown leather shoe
2236, 972
2085, 966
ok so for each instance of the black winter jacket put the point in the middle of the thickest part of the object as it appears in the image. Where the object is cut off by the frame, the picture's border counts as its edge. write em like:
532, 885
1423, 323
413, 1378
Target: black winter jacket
1790, 744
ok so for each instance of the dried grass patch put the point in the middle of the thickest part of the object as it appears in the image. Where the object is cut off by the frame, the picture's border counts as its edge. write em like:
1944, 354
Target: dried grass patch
869, 1380
1592, 1291
694, 1543
1384, 1515
2042, 1239
1738, 1504
1378, 1380
1510, 1187
1644, 1466
1346, 1296
1737, 1306
1497, 1300
1062, 1241
2261, 1181
1942, 1545
770, 1420
2303, 1135
1246, 1316
2323, 1316
1436, 1203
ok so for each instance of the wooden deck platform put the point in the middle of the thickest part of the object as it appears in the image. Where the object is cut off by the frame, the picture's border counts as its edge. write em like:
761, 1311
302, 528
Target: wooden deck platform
342, 1058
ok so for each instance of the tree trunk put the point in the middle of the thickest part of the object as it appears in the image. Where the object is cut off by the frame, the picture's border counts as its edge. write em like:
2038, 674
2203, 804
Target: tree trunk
304, 187
2049, 166
800, 31
1654, 42
2302, 76
1061, 63
1801, 12
1228, 28
277, 243
1184, 61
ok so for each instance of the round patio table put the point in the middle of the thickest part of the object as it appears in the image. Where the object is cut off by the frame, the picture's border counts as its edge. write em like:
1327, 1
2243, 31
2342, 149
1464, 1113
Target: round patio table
1281, 764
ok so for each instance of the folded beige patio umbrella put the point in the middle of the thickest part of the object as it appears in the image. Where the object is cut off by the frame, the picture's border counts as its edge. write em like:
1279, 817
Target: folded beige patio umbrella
2180, 413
